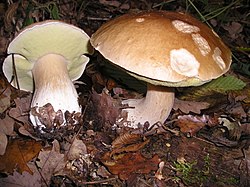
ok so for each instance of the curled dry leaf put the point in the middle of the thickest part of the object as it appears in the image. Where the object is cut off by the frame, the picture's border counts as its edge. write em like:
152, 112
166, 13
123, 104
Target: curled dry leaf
125, 139
130, 148
128, 142
124, 165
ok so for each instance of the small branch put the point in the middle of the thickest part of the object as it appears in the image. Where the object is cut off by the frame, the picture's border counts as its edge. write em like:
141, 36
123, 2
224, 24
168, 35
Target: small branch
14, 71
97, 182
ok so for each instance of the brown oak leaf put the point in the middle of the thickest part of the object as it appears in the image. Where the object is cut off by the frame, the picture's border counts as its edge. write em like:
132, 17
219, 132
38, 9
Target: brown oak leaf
127, 164
18, 153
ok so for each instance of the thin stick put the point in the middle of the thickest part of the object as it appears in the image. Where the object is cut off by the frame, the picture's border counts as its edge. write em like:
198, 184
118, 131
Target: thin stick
97, 182
14, 71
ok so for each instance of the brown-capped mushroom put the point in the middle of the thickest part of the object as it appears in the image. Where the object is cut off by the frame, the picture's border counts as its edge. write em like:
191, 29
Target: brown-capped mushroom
164, 49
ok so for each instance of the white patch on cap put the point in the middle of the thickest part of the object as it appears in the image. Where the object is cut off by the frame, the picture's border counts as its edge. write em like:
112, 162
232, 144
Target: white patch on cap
185, 27
217, 58
201, 43
139, 20
184, 63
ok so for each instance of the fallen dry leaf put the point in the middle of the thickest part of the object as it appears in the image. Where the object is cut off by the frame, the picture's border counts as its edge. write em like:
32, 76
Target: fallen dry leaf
244, 166
103, 172
110, 3
190, 124
107, 107
3, 43
237, 110
22, 130
23, 180
4, 98
234, 29
128, 142
126, 139
77, 149
51, 162
7, 125
6, 128
21, 111
18, 153
124, 165
3, 142
130, 148
190, 106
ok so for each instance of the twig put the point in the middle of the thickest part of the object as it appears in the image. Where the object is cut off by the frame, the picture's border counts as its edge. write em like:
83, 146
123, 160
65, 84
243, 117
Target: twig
97, 182
98, 19
14, 71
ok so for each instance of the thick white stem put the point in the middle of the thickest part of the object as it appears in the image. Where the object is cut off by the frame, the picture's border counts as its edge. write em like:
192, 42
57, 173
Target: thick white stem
155, 107
53, 85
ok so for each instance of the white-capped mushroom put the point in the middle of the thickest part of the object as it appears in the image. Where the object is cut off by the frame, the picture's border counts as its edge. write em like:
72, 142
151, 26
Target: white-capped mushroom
48, 56
164, 49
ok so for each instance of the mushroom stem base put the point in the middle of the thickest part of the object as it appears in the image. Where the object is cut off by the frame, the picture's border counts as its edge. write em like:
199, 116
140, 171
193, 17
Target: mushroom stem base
54, 86
155, 107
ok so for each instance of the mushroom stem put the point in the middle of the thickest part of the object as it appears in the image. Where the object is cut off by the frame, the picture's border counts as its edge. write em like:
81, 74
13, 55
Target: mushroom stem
155, 107
53, 85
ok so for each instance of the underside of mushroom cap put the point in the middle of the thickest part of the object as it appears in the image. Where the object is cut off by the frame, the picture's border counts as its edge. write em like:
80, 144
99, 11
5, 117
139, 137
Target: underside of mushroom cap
40, 39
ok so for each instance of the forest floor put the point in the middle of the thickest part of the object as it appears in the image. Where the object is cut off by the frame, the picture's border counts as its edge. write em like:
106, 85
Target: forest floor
204, 142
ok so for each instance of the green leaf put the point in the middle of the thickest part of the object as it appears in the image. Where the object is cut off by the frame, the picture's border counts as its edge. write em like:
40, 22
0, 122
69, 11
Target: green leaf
222, 85
28, 21
55, 12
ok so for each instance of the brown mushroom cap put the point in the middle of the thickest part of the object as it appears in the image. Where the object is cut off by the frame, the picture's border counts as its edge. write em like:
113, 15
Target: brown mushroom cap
163, 48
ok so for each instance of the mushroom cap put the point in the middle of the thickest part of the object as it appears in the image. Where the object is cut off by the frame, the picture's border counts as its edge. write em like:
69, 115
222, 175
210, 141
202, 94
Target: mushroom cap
163, 48
40, 39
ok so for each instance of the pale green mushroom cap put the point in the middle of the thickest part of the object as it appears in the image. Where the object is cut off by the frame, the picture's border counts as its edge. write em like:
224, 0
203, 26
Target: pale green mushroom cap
48, 37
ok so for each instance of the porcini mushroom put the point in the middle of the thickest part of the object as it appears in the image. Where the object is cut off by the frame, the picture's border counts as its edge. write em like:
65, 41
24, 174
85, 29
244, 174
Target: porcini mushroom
164, 49
48, 56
